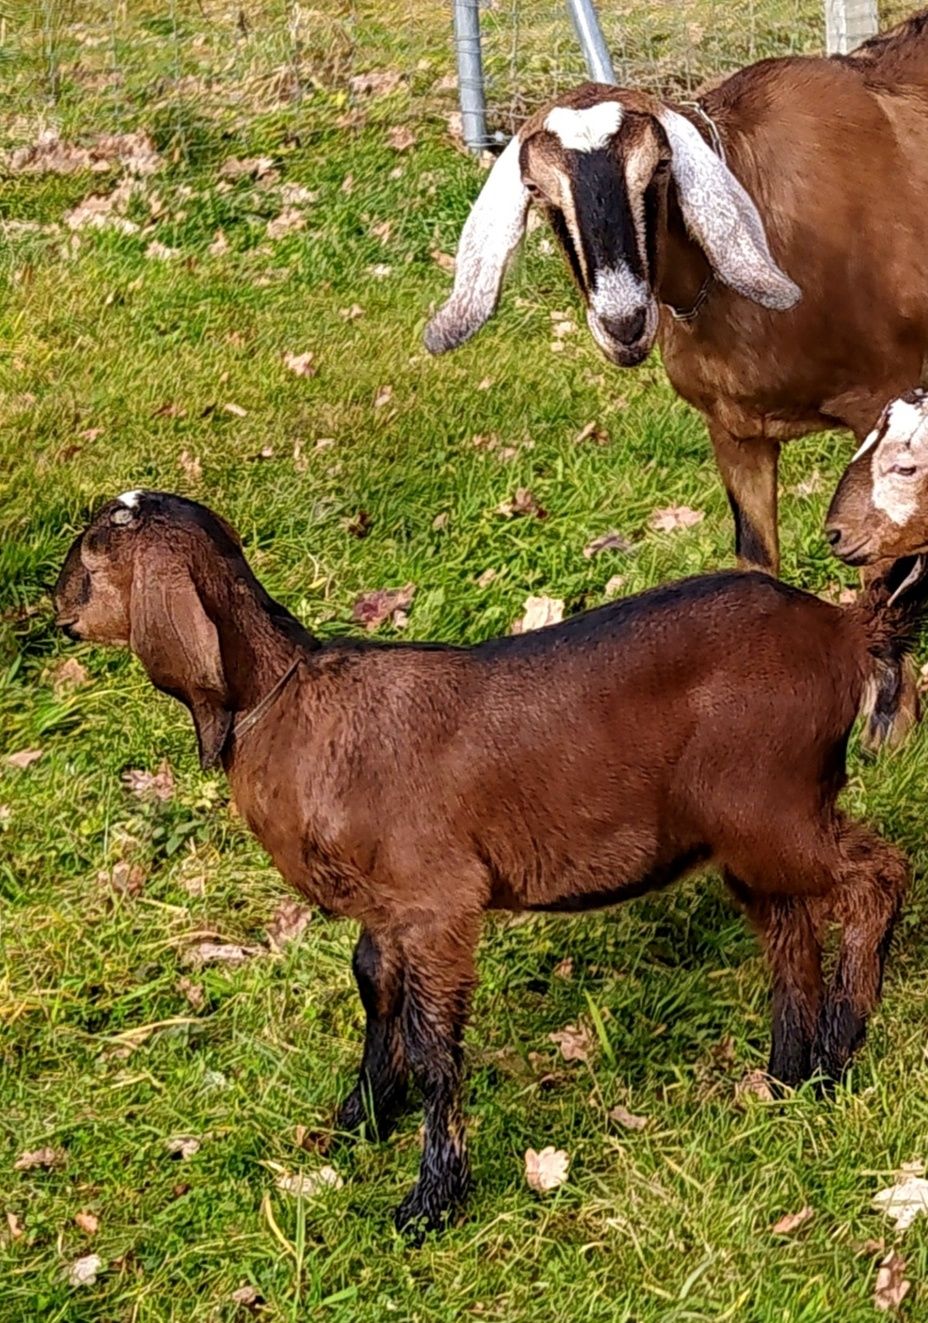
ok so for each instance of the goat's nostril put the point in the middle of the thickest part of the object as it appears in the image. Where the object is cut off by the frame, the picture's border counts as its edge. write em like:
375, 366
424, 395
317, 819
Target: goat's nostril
833, 536
626, 330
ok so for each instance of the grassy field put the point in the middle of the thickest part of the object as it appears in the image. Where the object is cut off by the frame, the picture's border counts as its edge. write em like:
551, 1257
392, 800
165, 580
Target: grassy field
151, 351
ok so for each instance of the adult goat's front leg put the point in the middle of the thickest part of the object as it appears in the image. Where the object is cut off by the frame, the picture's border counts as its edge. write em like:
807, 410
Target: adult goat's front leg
380, 1092
439, 981
865, 902
749, 472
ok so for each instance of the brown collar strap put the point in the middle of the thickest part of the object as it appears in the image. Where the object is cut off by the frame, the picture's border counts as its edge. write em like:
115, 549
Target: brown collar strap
251, 719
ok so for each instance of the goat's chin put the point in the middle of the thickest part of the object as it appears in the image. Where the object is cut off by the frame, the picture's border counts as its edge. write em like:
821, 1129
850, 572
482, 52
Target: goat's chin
622, 355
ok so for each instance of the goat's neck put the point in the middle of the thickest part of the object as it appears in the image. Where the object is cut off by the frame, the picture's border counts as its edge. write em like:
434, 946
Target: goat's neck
682, 267
257, 645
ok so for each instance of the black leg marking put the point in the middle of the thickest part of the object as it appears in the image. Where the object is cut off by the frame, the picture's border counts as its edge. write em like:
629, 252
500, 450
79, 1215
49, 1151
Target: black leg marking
380, 1093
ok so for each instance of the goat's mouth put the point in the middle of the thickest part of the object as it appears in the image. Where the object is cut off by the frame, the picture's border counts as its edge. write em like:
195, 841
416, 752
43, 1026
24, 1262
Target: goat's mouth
624, 353
68, 626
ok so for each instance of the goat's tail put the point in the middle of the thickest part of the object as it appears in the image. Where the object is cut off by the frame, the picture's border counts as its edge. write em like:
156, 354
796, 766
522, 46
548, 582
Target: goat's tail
887, 615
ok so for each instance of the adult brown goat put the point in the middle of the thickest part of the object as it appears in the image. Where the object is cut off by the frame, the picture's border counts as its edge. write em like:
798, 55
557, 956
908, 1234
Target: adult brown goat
678, 221
414, 786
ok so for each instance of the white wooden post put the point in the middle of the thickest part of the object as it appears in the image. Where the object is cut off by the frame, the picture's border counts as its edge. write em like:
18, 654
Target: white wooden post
848, 23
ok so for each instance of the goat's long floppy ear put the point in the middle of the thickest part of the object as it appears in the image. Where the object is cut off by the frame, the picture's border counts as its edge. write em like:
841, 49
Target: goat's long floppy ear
177, 643
721, 216
490, 236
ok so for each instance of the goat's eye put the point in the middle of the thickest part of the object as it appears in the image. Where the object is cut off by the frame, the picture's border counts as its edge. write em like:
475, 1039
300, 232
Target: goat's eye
904, 470
534, 191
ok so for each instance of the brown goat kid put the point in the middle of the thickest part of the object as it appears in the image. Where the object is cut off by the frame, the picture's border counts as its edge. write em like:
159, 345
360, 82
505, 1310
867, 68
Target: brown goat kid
412, 787
679, 220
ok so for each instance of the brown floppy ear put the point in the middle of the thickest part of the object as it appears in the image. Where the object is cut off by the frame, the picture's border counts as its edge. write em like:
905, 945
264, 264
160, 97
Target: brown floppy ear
178, 645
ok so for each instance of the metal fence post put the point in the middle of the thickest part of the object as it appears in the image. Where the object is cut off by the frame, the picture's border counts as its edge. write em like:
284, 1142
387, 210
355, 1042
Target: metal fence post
592, 42
470, 74
848, 23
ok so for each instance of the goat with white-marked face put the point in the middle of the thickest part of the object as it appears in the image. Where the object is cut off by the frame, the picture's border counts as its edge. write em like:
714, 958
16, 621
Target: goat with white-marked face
599, 162
879, 512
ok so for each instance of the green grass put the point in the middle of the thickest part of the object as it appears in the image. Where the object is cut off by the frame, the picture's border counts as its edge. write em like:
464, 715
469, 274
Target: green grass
114, 373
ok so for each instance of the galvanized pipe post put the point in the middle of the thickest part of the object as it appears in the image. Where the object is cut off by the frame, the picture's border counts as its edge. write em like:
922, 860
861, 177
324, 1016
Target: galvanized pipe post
848, 23
470, 74
592, 42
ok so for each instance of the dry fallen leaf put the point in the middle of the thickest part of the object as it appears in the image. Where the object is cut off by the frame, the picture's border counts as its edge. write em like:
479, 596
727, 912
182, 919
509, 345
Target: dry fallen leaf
160, 252
622, 1116
182, 1146
150, 785
380, 270
546, 1170
126, 878
289, 221
383, 396
757, 1084
37, 1157
249, 1296
906, 1198
303, 1185
401, 138
592, 432
486, 578
443, 260
24, 758
218, 953
88, 1222
134, 152
672, 518
378, 82
193, 469
219, 245
564, 968
790, 1222
15, 1226
83, 1272
538, 613
611, 541
614, 585
192, 991
522, 503
253, 167
302, 364
287, 924
358, 525
382, 230
351, 314
574, 1042
235, 409
297, 195
891, 1285
70, 674
381, 604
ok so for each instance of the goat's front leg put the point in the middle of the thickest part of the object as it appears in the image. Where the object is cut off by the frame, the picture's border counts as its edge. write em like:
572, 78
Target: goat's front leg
380, 1092
749, 472
787, 928
439, 980
865, 902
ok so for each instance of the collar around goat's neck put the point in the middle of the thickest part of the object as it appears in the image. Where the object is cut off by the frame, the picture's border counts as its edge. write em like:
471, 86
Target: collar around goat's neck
715, 142
247, 722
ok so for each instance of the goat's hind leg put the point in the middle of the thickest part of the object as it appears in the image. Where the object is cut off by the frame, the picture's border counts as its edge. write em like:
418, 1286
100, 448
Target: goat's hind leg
378, 1097
787, 929
865, 902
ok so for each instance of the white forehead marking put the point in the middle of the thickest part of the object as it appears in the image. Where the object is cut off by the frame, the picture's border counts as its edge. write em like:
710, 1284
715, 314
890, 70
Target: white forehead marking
902, 420
585, 130
131, 499
895, 495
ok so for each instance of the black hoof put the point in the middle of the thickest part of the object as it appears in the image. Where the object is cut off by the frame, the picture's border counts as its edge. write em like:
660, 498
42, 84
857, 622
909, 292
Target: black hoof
426, 1209
354, 1116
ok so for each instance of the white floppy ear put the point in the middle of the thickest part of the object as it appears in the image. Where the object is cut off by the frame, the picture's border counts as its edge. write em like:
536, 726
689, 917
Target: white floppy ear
721, 216
490, 236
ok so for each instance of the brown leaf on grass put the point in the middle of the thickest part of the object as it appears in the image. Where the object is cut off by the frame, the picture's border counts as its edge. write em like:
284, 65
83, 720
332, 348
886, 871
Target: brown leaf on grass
546, 1170
182, 1146
89, 1223
539, 612
755, 1084
622, 1116
160, 252
296, 195
380, 270
150, 785
24, 758
358, 525
614, 585
443, 260
790, 1222
564, 968
907, 1198
486, 578
192, 991
440, 521
382, 230
288, 923
288, 222
249, 1297
68, 675
611, 541
305, 1184
351, 314
91, 433
401, 138
38, 1157
103, 212
234, 409
592, 432
672, 518
133, 152
573, 1041
522, 503
125, 878
383, 396
14, 1226
250, 167
218, 953
169, 410
303, 365
892, 1287
372, 609
378, 82
220, 244
83, 1271
193, 469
